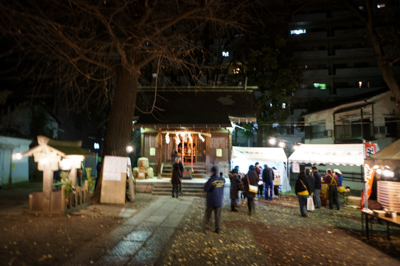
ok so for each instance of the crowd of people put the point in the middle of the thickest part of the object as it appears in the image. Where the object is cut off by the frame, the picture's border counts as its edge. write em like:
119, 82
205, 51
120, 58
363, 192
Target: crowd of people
257, 181
256, 176
308, 184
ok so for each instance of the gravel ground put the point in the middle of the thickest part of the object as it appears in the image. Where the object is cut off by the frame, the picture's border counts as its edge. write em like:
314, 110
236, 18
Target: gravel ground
274, 235
48, 240
277, 235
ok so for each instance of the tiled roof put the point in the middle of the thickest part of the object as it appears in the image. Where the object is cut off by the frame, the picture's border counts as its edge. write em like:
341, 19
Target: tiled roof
193, 108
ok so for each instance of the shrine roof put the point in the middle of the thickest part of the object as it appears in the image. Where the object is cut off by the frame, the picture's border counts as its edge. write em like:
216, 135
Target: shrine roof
195, 108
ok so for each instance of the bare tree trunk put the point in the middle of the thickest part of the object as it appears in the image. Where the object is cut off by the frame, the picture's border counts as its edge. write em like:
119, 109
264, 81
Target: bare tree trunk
386, 67
119, 128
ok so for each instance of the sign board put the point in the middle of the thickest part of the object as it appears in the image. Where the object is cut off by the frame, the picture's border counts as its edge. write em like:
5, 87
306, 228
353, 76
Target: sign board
296, 168
370, 148
277, 180
113, 187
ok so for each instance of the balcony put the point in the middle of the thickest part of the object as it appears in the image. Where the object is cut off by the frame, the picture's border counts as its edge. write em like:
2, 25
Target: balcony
354, 131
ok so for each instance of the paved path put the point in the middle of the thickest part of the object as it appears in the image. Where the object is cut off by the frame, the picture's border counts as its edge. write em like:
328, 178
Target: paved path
140, 240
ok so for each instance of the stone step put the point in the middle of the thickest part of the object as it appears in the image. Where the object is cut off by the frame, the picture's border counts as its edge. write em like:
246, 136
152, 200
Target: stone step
185, 194
195, 175
167, 184
189, 189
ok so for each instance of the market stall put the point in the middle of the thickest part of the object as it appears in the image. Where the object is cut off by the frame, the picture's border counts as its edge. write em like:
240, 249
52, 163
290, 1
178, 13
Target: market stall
273, 157
382, 173
382, 176
330, 154
335, 154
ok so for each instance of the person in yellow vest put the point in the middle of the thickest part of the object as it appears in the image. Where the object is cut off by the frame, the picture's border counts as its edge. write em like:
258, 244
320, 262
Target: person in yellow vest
332, 181
302, 190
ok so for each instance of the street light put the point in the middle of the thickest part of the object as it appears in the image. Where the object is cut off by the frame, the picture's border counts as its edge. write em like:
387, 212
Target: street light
272, 141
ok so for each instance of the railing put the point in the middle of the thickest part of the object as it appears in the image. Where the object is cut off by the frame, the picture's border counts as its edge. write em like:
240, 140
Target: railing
77, 199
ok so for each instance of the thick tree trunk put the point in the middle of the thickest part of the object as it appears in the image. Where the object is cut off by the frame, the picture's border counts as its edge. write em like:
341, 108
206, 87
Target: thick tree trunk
386, 67
119, 128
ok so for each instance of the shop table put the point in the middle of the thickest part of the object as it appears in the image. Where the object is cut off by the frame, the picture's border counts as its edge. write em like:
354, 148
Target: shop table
366, 222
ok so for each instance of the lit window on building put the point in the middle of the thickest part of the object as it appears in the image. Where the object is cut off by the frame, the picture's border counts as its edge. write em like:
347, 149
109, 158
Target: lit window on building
360, 84
225, 54
283, 105
154, 75
96, 146
321, 86
298, 32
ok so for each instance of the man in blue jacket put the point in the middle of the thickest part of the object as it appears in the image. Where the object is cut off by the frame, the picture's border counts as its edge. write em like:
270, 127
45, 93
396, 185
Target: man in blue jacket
215, 193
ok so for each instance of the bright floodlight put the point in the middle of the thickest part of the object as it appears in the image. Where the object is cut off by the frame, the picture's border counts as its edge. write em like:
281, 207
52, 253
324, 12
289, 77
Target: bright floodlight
387, 173
272, 141
129, 148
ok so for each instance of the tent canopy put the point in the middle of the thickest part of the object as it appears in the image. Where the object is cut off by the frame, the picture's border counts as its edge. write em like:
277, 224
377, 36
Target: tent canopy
257, 154
391, 152
338, 154
274, 157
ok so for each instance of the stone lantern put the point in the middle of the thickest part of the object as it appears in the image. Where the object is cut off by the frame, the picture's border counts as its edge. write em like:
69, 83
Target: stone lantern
52, 155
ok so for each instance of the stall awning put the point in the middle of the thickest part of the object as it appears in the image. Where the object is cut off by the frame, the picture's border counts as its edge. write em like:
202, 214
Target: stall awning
391, 152
337, 154
258, 153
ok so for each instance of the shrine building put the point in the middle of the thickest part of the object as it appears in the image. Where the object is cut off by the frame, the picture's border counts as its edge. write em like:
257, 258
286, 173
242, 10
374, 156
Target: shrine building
194, 123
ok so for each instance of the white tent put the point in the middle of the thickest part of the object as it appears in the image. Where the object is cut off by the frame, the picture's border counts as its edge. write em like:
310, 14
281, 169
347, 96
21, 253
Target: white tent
273, 157
338, 154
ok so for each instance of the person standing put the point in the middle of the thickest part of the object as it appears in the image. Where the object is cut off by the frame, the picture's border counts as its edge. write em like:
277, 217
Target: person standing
317, 187
215, 193
268, 177
235, 180
181, 169
302, 192
332, 181
311, 182
175, 180
252, 178
260, 183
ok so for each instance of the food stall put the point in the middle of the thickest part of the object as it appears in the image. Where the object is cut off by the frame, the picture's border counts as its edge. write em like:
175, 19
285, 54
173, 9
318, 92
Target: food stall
382, 174
329, 154
273, 157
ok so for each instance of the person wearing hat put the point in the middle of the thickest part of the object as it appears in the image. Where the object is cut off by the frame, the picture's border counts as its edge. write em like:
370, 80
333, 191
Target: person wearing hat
215, 193
340, 176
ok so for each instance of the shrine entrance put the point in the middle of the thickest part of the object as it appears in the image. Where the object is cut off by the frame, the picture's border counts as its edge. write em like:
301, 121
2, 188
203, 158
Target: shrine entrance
190, 147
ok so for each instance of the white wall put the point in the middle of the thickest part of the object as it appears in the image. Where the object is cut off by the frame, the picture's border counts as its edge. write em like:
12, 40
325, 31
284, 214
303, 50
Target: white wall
8, 161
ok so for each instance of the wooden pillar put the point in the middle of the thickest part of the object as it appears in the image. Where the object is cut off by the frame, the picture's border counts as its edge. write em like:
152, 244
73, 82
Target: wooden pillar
47, 188
142, 144
229, 151
208, 139
159, 153
72, 175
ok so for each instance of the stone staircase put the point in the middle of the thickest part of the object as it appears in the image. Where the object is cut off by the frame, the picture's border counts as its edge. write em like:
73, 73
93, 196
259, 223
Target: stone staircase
188, 189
